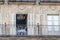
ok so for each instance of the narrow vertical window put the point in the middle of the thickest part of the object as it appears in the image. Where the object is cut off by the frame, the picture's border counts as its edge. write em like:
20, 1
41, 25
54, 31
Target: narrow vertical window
21, 24
55, 20
49, 23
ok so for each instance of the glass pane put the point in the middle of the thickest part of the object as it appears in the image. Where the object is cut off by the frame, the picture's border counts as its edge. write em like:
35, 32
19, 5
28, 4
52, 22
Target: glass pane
49, 28
49, 17
55, 17
55, 22
56, 28
49, 22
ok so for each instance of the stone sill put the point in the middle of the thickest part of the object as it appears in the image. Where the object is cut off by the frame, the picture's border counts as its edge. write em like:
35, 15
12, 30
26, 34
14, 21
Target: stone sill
41, 36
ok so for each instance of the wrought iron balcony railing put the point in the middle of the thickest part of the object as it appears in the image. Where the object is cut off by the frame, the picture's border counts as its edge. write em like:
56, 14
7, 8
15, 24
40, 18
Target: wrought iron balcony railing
22, 30
50, 1
22, 0
34, 0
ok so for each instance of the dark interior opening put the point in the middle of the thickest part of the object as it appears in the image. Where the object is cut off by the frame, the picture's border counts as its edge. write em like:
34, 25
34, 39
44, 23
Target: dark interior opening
21, 24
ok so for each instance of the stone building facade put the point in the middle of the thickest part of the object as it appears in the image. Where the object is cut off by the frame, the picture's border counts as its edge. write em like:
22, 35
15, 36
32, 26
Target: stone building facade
36, 15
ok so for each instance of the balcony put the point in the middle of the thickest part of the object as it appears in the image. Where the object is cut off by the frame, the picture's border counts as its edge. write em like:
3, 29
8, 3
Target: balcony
22, 30
31, 2
24, 2
50, 0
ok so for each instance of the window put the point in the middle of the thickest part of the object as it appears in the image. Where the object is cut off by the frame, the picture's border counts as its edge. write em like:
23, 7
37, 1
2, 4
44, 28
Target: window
21, 24
49, 23
53, 23
55, 19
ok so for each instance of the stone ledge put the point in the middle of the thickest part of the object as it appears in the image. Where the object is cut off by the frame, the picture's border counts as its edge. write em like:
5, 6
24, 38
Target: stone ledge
41, 36
27, 38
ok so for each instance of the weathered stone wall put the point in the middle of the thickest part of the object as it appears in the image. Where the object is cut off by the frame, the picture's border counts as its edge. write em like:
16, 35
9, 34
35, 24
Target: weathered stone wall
45, 10
36, 14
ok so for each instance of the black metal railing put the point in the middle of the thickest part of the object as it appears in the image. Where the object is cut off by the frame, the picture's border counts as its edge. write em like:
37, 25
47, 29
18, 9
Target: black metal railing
21, 30
22, 0
50, 1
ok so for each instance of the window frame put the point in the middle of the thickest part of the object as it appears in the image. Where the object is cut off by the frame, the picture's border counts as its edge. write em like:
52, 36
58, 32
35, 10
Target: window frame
53, 28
